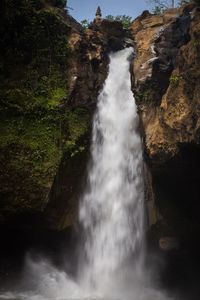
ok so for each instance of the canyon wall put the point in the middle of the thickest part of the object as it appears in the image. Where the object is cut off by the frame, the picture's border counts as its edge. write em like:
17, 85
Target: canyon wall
166, 87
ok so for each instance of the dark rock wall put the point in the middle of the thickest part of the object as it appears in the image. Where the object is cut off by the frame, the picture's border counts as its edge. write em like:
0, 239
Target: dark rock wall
34, 56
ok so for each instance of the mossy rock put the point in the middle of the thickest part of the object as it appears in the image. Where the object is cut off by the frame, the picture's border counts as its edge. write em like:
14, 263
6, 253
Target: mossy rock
31, 149
36, 128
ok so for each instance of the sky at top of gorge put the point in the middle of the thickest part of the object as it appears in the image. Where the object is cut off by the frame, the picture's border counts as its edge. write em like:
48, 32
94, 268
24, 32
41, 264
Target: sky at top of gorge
86, 9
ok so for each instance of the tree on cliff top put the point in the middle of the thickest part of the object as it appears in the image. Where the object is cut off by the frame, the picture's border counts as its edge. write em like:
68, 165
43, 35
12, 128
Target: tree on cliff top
163, 3
125, 20
197, 2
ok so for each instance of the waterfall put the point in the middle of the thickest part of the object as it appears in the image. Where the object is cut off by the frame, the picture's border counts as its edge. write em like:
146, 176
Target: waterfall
111, 210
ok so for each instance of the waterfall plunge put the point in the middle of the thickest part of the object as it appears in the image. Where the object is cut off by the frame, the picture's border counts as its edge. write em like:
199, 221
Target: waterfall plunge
111, 210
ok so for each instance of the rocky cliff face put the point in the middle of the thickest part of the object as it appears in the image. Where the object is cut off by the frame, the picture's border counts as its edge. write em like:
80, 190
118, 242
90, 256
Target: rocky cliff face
166, 86
86, 73
161, 80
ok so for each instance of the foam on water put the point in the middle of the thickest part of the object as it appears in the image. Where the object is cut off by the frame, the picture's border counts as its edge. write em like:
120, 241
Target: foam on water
111, 210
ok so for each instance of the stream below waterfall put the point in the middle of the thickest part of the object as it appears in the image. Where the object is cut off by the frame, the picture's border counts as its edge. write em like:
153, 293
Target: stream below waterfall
111, 260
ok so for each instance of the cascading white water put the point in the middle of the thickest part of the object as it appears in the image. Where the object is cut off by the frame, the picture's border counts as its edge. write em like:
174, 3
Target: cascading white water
112, 207
111, 210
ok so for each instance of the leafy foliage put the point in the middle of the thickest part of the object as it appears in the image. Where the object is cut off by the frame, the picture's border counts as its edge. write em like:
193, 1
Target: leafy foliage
124, 19
175, 79
35, 126
61, 3
161, 5
197, 2
85, 23
157, 10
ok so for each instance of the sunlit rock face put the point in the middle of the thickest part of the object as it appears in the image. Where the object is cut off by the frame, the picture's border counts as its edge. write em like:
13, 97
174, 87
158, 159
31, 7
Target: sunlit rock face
166, 85
147, 29
90, 50
88, 67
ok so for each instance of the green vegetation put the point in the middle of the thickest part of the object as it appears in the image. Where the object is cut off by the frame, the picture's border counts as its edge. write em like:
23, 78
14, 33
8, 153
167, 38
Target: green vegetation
175, 79
197, 2
30, 153
143, 96
78, 123
158, 10
85, 24
196, 43
161, 5
125, 20
36, 128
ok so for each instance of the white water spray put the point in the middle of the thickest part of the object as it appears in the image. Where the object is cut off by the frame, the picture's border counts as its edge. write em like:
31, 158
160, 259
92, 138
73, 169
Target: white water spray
112, 207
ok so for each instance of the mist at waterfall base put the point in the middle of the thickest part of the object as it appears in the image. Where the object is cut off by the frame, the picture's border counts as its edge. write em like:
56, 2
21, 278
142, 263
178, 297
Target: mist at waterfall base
111, 209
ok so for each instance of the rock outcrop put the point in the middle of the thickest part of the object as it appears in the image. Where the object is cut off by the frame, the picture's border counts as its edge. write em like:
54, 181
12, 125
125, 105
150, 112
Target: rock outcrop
90, 50
165, 53
166, 86
87, 72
